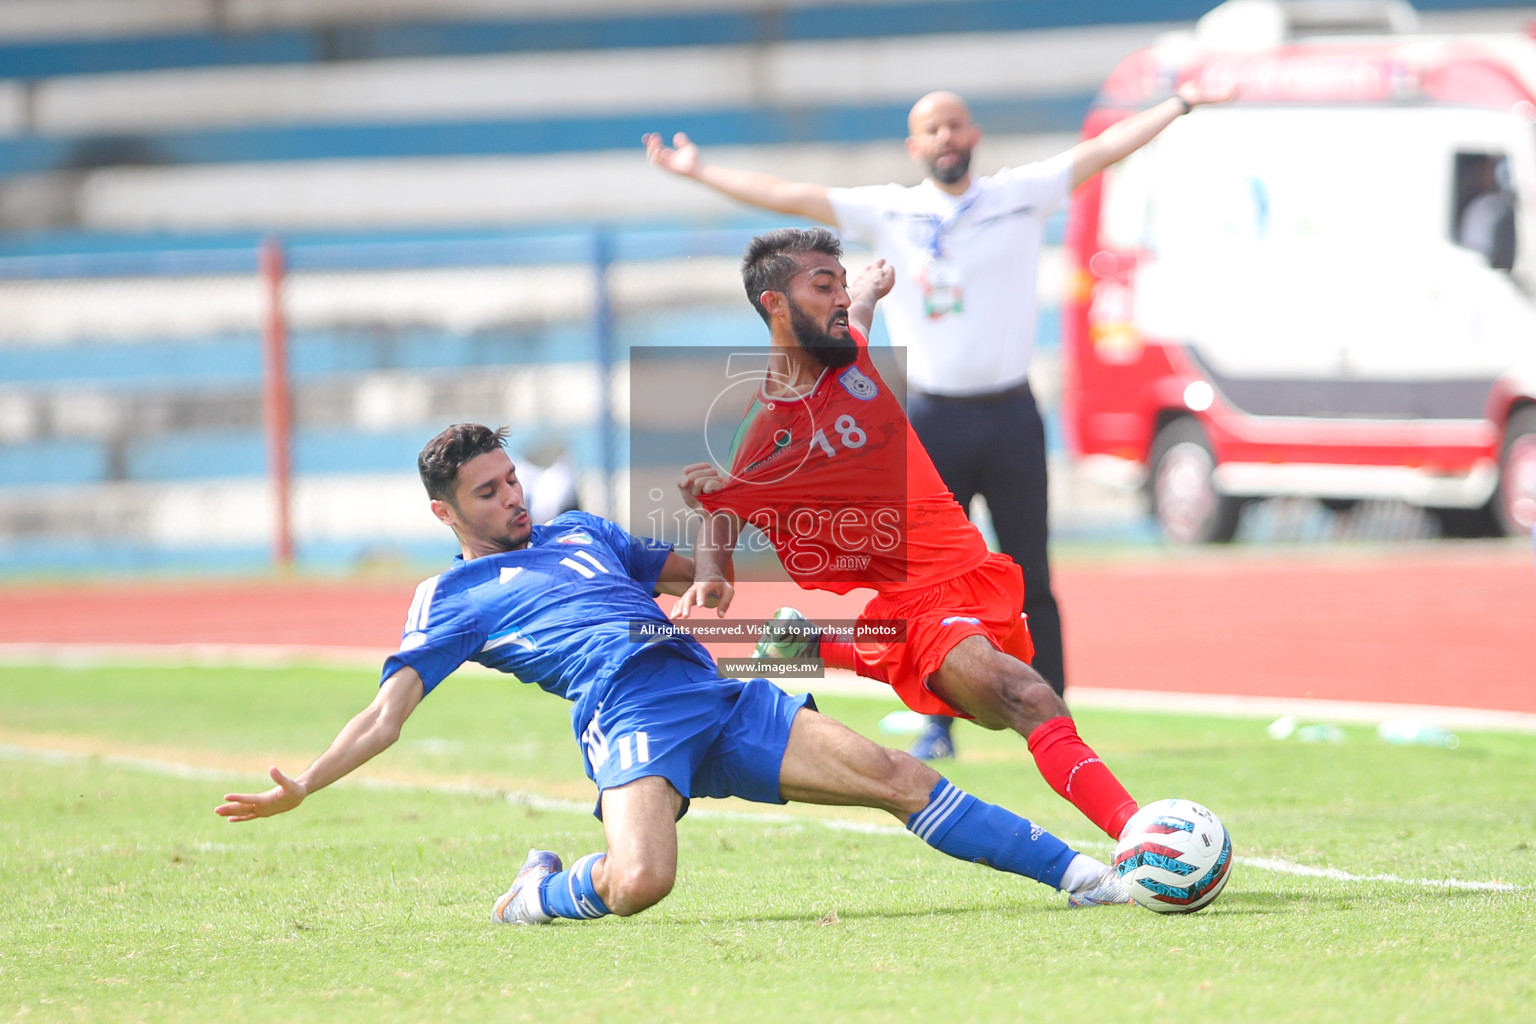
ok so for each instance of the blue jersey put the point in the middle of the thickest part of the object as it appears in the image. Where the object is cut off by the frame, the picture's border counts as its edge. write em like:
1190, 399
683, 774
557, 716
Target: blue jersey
557, 613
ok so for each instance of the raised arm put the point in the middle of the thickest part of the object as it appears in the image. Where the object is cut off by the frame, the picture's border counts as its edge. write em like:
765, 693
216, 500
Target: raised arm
1123, 138
871, 285
369, 734
798, 198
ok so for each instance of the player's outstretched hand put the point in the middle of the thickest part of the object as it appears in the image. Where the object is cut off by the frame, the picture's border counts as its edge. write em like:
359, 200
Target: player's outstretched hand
716, 594
682, 157
1196, 93
284, 796
698, 478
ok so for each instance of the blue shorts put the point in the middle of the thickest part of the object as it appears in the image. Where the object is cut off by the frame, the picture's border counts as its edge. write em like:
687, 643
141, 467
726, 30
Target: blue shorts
708, 737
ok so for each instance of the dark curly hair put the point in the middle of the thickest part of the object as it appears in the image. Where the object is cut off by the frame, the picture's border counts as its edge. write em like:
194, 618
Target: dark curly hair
440, 460
770, 261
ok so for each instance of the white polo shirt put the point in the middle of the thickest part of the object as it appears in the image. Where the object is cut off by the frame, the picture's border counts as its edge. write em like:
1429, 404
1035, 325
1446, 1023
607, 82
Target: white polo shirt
986, 248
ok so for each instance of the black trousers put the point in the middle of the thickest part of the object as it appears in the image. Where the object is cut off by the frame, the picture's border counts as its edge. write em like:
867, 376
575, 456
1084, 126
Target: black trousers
994, 445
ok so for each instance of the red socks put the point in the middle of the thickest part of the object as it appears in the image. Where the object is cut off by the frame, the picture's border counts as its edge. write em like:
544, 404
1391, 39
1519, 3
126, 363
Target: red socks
839, 654
1072, 769
1067, 764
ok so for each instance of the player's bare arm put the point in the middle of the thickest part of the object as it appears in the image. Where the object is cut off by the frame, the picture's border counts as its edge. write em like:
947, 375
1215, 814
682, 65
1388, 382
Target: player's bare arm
1123, 138
713, 572
768, 191
680, 575
676, 575
872, 284
372, 731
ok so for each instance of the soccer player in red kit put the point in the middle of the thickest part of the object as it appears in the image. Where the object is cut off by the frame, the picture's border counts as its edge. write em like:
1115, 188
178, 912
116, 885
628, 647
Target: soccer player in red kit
827, 466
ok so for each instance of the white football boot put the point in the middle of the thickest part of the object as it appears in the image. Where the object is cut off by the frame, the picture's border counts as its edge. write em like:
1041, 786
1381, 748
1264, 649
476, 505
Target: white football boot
1106, 891
521, 904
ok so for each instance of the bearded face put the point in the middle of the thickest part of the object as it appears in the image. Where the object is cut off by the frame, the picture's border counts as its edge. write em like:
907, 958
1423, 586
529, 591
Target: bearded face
820, 340
948, 168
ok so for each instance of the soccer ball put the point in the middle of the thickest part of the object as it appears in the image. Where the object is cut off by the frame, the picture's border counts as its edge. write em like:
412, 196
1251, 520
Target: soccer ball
1174, 856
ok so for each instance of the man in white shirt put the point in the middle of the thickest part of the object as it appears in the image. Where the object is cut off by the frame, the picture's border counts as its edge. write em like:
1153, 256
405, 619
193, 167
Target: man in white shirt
965, 250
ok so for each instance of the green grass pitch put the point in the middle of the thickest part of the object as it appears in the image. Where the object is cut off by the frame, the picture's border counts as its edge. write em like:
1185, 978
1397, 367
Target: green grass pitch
126, 899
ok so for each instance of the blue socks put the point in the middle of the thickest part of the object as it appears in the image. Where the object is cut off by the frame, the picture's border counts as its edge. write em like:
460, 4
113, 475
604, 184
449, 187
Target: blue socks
956, 823
569, 893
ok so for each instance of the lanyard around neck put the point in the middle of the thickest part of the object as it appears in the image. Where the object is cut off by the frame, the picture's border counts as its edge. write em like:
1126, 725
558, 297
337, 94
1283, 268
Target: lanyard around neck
938, 225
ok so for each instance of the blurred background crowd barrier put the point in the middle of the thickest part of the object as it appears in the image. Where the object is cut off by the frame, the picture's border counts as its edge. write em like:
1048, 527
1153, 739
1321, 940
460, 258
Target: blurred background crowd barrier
458, 223
222, 407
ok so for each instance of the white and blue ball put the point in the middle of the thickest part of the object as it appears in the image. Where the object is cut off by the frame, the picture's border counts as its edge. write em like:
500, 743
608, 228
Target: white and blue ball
1174, 856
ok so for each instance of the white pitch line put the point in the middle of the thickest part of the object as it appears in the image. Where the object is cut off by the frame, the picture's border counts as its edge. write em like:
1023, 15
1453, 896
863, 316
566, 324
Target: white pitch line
1289, 868
200, 655
201, 773
835, 683
1308, 708
174, 769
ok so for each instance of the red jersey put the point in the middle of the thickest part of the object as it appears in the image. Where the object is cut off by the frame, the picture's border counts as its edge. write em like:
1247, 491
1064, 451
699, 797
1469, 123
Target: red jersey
841, 486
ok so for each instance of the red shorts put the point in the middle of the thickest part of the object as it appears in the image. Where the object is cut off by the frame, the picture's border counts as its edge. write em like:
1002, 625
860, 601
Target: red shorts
985, 602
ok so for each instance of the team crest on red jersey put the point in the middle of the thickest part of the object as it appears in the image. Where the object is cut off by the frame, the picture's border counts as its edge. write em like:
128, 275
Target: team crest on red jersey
857, 384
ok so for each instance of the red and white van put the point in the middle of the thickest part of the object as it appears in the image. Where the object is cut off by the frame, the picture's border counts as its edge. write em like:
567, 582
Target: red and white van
1322, 288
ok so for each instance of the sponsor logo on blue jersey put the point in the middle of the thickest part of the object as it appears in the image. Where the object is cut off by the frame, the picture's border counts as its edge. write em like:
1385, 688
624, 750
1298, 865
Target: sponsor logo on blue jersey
509, 636
574, 538
856, 384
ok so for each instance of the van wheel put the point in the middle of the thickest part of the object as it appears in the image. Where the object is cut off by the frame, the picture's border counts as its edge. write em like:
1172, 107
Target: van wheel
1515, 501
1182, 488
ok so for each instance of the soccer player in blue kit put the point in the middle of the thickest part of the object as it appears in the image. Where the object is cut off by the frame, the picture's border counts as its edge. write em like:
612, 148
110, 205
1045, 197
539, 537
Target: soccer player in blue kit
562, 606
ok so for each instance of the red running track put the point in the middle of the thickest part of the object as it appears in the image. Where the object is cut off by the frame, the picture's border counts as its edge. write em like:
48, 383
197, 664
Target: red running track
1451, 624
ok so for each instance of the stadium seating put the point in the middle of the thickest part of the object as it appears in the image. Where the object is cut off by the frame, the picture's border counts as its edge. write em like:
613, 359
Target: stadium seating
283, 116
472, 228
